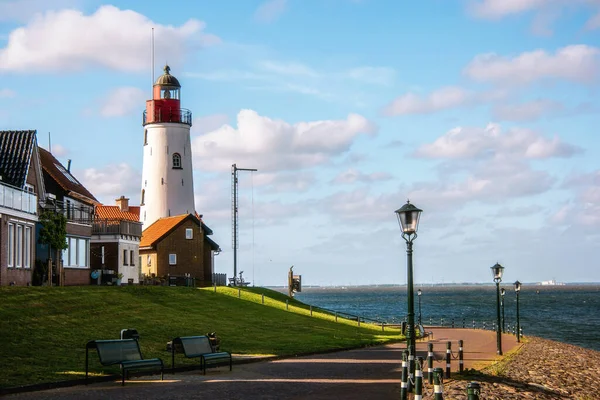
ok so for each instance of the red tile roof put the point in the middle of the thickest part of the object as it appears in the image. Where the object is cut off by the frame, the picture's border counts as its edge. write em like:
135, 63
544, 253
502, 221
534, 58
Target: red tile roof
135, 210
160, 228
114, 212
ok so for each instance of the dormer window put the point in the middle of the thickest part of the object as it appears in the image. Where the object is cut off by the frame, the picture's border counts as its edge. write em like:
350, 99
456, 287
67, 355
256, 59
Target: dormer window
176, 161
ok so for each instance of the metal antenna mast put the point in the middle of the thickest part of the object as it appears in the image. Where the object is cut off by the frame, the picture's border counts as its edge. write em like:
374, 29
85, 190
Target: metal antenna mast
234, 214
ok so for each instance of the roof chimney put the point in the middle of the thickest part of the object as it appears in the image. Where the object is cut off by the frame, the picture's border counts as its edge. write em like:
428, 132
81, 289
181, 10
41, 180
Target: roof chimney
123, 203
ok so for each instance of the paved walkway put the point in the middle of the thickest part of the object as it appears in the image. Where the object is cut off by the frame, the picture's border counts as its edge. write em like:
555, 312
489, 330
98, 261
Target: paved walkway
371, 373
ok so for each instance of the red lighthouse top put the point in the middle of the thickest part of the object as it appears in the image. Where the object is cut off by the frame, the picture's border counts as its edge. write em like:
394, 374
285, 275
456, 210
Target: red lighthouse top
165, 103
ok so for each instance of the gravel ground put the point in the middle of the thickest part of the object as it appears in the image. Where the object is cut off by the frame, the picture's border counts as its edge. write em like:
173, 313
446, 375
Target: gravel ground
541, 369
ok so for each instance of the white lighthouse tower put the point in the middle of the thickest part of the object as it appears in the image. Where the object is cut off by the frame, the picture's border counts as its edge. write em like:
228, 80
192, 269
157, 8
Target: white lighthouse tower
167, 179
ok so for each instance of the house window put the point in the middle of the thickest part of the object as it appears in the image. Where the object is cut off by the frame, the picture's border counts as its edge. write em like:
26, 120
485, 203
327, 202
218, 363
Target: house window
172, 259
124, 257
131, 259
11, 245
19, 246
189, 233
176, 161
27, 248
82, 252
149, 260
76, 254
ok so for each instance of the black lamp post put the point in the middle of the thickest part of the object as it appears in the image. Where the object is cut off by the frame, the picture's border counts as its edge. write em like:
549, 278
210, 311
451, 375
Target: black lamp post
517, 290
419, 293
497, 271
502, 293
408, 217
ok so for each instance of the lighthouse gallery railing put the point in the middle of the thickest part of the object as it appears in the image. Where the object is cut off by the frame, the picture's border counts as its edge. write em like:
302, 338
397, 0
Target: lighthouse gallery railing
182, 116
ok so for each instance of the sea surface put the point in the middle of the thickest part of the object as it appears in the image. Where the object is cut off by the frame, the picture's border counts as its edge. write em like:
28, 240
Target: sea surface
566, 313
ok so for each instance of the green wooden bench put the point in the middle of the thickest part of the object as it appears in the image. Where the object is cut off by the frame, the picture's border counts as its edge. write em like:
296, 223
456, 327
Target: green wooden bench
199, 346
124, 352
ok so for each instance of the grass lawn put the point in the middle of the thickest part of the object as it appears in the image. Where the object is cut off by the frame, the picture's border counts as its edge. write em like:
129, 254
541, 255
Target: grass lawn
44, 330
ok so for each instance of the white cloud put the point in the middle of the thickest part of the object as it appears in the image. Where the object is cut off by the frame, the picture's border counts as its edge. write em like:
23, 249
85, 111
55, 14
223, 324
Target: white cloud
271, 145
112, 181
122, 101
228, 75
500, 8
352, 176
545, 11
578, 63
373, 75
7, 93
209, 123
281, 182
68, 40
584, 210
593, 23
527, 111
291, 69
494, 184
441, 99
473, 143
59, 150
23, 10
270, 10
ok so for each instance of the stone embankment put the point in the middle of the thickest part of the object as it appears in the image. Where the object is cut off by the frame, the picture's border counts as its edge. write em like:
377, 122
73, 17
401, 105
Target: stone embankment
540, 369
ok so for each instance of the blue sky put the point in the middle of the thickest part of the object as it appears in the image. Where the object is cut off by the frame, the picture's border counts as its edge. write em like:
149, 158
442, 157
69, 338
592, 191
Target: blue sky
483, 113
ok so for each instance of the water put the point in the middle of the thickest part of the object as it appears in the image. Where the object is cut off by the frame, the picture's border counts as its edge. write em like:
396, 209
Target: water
569, 313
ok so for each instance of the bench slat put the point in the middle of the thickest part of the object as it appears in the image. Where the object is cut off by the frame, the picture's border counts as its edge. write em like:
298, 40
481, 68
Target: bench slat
125, 352
199, 347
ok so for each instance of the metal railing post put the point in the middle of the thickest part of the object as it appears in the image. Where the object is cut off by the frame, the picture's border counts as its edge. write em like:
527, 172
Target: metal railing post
448, 358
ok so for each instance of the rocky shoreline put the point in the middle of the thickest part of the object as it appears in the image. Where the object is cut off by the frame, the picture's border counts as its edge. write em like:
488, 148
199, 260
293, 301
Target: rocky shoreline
540, 369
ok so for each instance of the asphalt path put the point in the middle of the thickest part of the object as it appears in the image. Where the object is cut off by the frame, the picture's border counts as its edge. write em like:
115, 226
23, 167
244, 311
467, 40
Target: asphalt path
368, 373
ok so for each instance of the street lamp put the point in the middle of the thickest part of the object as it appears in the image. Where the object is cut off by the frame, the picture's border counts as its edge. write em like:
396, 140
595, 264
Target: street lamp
497, 271
502, 293
408, 217
517, 290
419, 293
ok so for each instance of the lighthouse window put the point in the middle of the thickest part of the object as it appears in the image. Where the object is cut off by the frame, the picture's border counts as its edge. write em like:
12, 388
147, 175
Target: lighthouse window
176, 161
143, 195
145, 137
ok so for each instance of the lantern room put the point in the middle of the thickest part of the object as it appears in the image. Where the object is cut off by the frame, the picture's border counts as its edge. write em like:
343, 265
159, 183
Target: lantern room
165, 103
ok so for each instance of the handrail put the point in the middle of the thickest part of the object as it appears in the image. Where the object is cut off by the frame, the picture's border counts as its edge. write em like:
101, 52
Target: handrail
17, 199
181, 115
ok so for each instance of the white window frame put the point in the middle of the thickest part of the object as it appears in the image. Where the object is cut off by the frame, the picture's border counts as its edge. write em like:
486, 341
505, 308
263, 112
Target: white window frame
27, 247
189, 233
172, 259
19, 246
72, 255
11, 245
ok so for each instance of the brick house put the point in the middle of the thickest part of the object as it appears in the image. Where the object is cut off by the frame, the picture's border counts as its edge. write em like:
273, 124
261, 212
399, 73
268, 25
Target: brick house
64, 193
179, 246
21, 184
115, 244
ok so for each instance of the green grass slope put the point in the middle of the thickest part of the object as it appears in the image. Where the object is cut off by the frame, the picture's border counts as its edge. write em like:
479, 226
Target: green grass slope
44, 330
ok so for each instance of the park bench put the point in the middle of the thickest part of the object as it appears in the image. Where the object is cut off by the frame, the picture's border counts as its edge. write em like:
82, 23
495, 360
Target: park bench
124, 352
422, 333
199, 346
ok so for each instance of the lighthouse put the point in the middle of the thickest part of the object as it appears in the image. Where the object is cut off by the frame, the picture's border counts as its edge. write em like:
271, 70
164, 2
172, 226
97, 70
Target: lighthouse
167, 178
